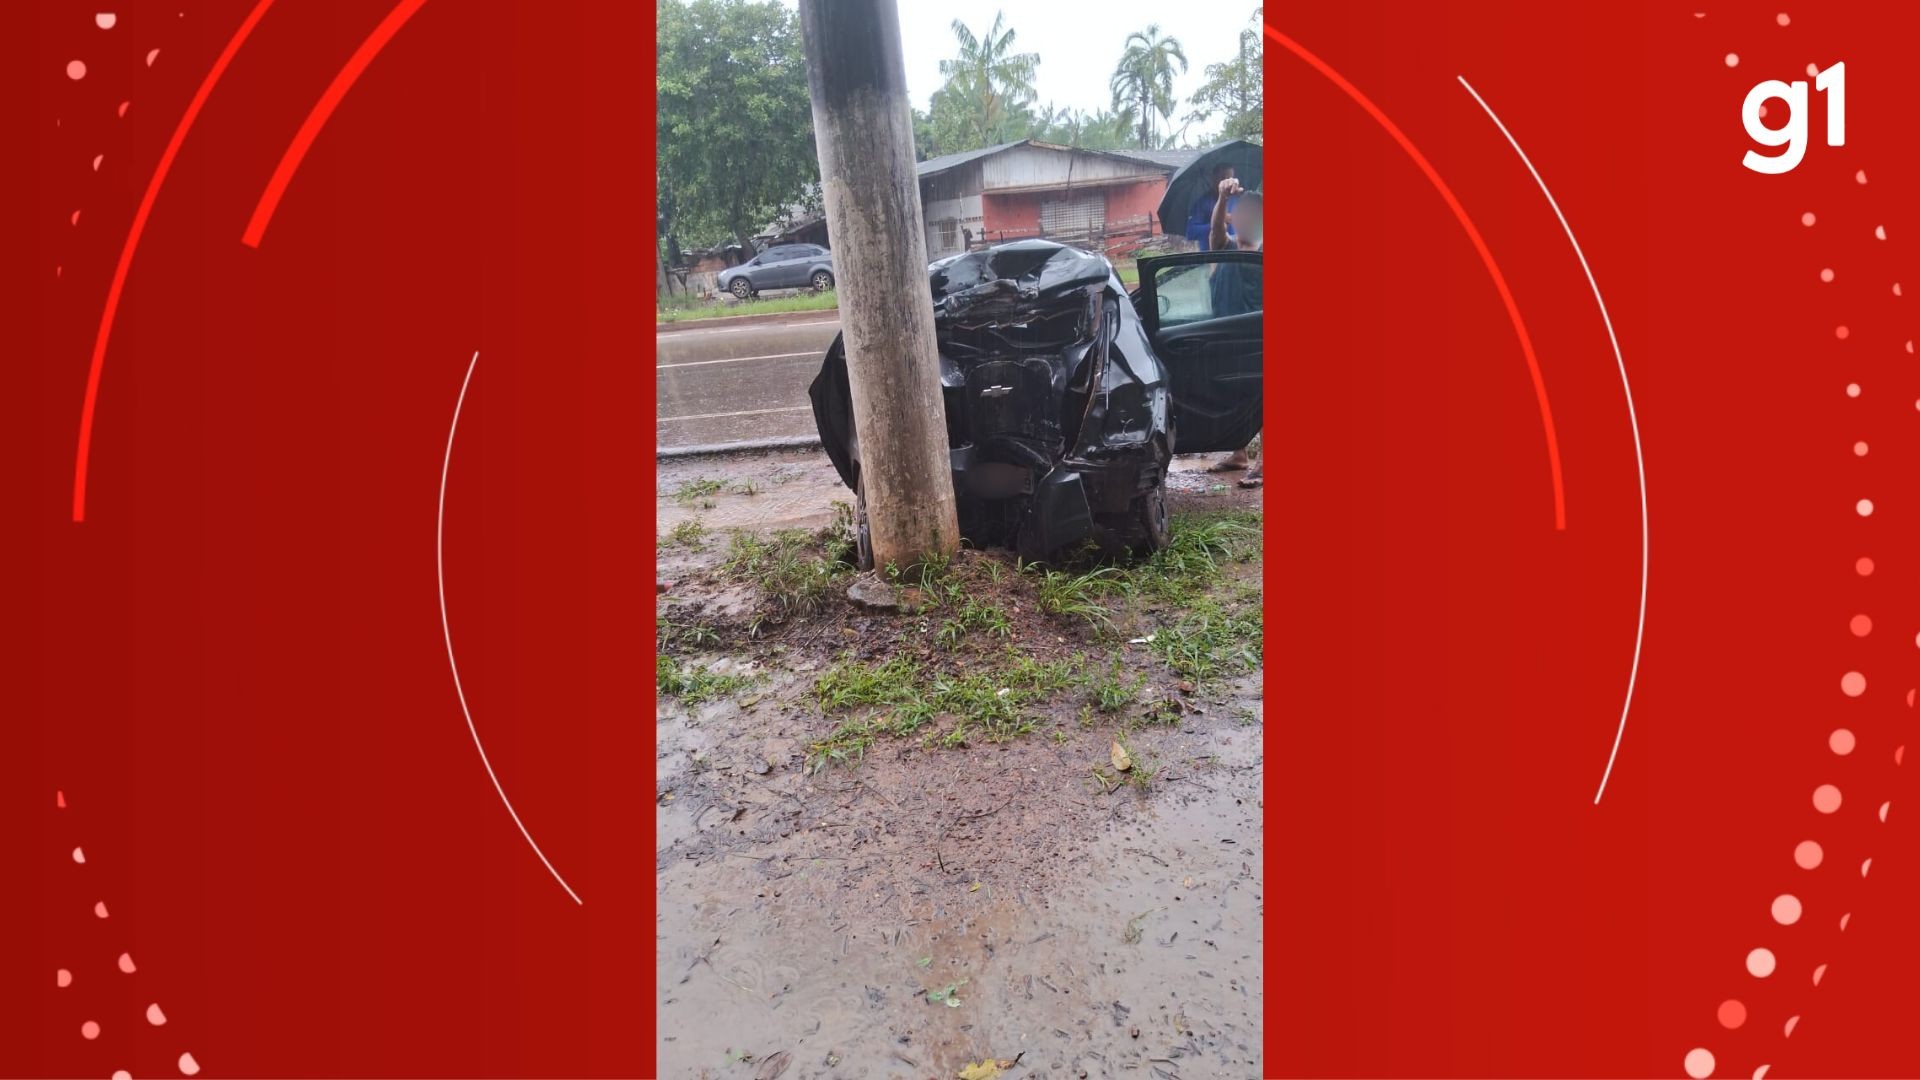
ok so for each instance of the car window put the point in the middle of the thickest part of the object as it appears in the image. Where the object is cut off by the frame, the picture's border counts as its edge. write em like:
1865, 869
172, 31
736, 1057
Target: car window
1195, 292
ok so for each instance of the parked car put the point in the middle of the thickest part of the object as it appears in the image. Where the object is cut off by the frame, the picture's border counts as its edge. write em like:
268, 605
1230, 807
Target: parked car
783, 266
1066, 398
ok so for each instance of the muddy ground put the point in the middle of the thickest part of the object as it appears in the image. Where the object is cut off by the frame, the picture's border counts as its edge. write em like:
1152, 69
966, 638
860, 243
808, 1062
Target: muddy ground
912, 907
797, 489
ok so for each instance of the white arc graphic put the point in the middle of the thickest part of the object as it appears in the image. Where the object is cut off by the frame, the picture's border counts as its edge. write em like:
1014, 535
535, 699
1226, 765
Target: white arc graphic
440, 567
1639, 461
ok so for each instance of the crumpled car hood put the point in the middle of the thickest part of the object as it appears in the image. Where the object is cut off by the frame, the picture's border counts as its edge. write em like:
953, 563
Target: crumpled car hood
1005, 277
1051, 392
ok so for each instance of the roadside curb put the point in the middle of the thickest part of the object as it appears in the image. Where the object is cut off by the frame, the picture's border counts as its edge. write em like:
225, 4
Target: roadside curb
794, 317
752, 446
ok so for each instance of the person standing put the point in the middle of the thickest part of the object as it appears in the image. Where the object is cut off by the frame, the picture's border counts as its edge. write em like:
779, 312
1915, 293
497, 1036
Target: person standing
1235, 292
1200, 213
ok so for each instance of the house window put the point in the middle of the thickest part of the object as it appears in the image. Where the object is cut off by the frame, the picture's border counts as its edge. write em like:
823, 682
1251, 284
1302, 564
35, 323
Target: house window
949, 234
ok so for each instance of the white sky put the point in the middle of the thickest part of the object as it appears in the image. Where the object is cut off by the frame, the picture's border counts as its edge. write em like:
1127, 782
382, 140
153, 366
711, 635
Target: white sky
1079, 44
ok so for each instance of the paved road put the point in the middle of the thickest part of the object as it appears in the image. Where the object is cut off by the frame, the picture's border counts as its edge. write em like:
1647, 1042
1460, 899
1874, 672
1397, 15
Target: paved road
731, 383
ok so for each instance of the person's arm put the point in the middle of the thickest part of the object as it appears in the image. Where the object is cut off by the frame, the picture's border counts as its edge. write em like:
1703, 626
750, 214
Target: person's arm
1217, 236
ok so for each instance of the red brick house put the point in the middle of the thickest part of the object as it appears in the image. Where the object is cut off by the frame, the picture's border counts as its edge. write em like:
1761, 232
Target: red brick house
1097, 199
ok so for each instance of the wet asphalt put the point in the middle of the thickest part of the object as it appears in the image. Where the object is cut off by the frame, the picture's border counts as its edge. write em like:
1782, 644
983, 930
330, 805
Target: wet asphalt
733, 383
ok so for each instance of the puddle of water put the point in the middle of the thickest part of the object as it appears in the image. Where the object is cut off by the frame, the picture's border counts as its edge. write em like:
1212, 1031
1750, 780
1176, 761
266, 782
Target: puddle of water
749, 965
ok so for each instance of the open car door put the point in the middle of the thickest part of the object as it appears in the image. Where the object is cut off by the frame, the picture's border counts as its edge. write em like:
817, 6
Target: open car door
1202, 312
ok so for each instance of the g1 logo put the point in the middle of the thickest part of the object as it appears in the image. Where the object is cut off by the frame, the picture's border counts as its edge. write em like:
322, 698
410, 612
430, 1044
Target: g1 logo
1793, 134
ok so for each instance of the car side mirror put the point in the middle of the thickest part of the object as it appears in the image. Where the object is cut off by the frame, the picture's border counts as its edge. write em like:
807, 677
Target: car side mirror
1165, 305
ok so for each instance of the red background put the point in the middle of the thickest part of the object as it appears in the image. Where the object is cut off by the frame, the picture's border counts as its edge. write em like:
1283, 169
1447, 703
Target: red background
234, 670
1447, 670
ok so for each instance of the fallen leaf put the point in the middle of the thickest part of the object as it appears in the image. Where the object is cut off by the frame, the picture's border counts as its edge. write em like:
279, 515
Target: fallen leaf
985, 1070
774, 1066
1188, 882
976, 887
1121, 759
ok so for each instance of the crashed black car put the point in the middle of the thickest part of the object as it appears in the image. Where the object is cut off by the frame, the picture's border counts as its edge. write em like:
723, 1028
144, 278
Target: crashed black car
1066, 397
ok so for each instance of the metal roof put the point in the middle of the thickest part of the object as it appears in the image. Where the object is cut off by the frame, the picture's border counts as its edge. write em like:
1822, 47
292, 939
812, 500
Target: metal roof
938, 165
1170, 160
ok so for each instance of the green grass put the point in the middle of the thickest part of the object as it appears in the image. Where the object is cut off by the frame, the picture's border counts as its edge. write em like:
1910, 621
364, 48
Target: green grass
691, 533
693, 684
672, 632
1193, 558
682, 308
974, 616
1111, 691
794, 571
1197, 617
1200, 633
1190, 565
903, 696
697, 490
1083, 595
1212, 638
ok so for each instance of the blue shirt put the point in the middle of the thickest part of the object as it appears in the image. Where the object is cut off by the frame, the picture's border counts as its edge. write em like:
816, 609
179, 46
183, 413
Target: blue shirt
1200, 218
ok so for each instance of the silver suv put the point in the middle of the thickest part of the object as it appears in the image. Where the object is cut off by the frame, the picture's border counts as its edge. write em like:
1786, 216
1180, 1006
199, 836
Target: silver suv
783, 266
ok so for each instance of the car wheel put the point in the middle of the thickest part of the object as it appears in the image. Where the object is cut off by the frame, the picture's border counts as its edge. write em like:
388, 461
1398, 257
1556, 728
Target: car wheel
1154, 525
862, 536
822, 281
741, 288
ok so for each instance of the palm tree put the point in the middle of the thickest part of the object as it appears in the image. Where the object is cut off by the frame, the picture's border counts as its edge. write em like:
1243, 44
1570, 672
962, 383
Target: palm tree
994, 83
1047, 121
1103, 130
1144, 78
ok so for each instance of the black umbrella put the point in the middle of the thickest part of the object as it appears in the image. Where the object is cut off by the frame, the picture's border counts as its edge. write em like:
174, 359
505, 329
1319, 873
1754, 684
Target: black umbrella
1196, 179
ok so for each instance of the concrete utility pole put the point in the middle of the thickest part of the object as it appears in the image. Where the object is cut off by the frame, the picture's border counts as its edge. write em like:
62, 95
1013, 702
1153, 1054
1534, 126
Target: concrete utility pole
863, 128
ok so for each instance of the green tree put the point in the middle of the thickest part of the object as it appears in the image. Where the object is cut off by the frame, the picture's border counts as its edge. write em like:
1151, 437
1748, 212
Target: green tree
1100, 130
1110, 130
1233, 89
923, 143
988, 93
1144, 78
735, 121
950, 127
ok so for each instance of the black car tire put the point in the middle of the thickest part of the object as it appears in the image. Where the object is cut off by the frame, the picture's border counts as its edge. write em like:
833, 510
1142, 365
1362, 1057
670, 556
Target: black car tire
862, 536
822, 280
741, 288
1156, 528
